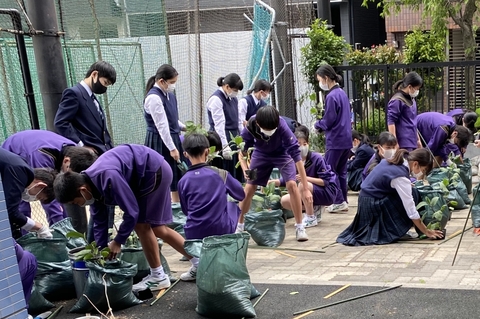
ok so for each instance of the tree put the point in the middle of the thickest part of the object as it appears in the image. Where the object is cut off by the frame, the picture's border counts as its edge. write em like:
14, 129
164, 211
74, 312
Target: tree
463, 14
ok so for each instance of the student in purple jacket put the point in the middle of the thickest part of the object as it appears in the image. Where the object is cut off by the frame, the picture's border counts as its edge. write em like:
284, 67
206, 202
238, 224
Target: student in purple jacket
255, 99
222, 109
402, 111
322, 181
338, 131
386, 207
464, 117
439, 132
386, 148
363, 152
207, 209
163, 125
275, 147
46, 149
137, 179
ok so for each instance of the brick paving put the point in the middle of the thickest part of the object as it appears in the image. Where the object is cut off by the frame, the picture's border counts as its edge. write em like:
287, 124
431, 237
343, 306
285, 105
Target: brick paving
423, 264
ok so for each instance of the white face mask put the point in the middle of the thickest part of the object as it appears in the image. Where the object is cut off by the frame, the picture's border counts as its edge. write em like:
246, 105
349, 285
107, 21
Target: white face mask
354, 149
303, 150
265, 97
87, 201
233, 94
451, 140
170, 87
388, 154
415, 94
30, 198
268, 133
324, 86
418, 175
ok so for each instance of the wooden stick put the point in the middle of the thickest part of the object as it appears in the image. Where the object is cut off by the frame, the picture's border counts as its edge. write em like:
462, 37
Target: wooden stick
259, 298
285, 254
158, 298
304, 315
331, 244
291, 249
160, 293
455, 234
346, 300
336, 291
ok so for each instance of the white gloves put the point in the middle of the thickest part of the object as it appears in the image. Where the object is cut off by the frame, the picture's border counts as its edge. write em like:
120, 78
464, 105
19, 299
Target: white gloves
226, 153
44, 232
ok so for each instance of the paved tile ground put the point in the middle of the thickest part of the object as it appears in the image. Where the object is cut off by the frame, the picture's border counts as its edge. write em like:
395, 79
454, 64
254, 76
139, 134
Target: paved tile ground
425, 264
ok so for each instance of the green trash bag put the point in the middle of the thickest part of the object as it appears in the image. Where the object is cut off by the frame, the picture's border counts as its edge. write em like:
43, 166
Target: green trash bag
275, 174
454, 199
193, 247
54, 277
461, 189
438, 175
60, 230
37, 303
437, 201
466, 173
119, 281
476, 210
179, 217
223, 282
267, 228
179, 229
137, 257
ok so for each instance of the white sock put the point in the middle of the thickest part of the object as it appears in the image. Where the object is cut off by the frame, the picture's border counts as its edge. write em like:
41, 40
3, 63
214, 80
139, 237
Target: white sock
300, 226
157, 272
311, 216
241, 226
195, 261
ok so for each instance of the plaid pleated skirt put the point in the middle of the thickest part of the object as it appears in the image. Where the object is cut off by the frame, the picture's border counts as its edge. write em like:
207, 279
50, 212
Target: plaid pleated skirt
377, 222
154, 141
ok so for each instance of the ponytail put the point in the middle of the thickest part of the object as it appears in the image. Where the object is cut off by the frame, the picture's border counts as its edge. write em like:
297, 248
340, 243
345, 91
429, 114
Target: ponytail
399, 157
149, 85
398, 85
220, 81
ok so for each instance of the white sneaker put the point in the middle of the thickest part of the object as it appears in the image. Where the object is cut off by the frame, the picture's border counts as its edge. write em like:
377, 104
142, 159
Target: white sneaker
301, 234
309, 221
190, 275
153, 283
336, 208
317, 211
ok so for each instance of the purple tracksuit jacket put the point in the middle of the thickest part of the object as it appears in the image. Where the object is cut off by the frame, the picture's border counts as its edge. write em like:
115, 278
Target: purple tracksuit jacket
402, 112
436, 128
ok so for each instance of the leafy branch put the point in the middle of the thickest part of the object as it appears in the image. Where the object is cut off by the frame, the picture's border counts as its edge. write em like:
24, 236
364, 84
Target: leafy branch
90, 252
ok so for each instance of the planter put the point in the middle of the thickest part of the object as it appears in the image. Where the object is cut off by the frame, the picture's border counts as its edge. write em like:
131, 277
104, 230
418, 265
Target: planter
80, 272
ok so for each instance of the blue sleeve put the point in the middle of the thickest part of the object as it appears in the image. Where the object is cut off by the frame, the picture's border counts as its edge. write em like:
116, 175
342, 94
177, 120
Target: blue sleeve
182, 194
67, 111
15, 180
393, 111
289, 141
437, 142
362, 156
99, 215
331, 114
322, 170
234, 188
248, 139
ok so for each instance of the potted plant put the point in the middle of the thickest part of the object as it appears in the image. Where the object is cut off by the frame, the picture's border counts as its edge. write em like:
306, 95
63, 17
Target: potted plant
435, 213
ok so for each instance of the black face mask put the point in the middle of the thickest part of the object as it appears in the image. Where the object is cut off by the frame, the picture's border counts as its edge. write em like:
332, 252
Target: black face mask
98, 87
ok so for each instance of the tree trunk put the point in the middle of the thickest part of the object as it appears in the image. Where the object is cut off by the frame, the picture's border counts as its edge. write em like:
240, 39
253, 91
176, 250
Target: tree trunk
470, 47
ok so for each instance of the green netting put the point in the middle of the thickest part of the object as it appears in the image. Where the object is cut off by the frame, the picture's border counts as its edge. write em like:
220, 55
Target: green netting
258, 67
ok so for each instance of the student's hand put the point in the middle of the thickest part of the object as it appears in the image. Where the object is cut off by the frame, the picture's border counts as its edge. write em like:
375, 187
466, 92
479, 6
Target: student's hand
115, 249
226, 153
307, 194
298, 178
175, 155
477, 143
434, 234
44, 232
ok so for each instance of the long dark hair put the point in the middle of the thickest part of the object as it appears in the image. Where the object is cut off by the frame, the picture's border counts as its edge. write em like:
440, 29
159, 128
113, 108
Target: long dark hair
260, 85
412, 78
470, 118
361, 137
233, 80
420, 155
327, 71
165, 71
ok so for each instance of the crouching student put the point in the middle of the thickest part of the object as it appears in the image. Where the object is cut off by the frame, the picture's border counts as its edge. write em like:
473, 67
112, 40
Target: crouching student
442, 135
386, 208
322, 181
206, 207
465, 118
386, 148
137, 179
275, 146
363, 152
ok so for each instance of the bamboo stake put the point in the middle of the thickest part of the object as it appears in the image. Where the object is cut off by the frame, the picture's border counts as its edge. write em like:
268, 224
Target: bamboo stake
336, 291
346, 300
285, 254
290, 249
465, 225
158, 298
455, 234
55, 313
259, 298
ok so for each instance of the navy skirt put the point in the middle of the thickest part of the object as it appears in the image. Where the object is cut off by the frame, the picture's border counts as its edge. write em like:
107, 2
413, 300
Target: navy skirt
377, 222
154, 141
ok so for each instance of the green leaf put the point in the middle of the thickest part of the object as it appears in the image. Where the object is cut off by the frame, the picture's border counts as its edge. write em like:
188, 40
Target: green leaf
75, 234
104, 254
421, 204
453, 203
438, 215
88, 256
258, 198
238, 139
313, 111
434, 201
